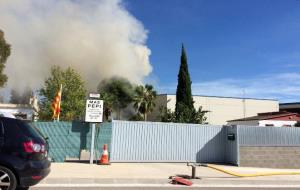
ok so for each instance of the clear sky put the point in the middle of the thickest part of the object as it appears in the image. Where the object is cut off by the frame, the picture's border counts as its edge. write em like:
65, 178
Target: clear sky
240, 48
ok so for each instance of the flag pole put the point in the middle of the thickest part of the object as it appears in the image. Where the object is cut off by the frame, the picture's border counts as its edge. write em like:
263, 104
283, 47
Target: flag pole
60, 90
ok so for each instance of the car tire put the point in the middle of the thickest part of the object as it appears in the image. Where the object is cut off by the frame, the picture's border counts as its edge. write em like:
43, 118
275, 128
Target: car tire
22, 188
8, 180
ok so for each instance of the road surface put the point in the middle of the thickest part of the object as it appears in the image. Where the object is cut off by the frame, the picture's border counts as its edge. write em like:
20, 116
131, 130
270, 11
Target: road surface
158, 188
161, 188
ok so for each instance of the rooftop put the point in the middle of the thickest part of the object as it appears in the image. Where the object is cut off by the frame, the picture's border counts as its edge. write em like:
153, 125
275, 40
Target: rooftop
14, 106
225, 97
290, 105
266, 116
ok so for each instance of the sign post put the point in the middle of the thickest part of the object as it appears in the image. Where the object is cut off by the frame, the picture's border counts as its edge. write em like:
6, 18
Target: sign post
93, 114
92, 143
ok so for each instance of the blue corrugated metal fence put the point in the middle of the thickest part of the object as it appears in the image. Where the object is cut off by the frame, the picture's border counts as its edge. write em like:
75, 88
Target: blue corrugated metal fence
67, 139
269, 136
162, 142
169, 142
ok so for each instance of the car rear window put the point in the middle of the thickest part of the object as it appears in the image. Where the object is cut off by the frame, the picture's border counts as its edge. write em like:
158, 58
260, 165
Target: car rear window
29, 130
16, 128
33, 127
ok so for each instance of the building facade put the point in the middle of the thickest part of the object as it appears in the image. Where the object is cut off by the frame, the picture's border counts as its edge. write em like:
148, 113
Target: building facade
21, 111
220, 109
290, 107
270, 119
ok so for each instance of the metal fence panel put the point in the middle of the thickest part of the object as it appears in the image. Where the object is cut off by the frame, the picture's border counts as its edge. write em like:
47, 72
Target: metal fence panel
269, 136
67, 139
167, 142
232, 150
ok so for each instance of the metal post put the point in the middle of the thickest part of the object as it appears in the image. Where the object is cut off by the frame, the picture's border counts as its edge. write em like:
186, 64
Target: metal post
59, 103
193, 172
92, 144
193, 165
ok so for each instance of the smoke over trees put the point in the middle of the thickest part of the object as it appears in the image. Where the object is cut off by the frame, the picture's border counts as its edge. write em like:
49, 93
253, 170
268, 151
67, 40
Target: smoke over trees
99, 39
21, 98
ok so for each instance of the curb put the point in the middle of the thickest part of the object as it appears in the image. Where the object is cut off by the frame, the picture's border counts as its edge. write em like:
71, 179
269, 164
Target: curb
102, 181
203, 181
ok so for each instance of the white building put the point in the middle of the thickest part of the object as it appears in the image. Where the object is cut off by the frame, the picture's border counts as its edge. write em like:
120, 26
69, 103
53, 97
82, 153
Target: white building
270, 119
221, 109
18, 110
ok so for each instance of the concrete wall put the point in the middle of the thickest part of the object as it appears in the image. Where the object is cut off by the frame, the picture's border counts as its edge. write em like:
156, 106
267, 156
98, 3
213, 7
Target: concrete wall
274, 147
270, 156
221, 109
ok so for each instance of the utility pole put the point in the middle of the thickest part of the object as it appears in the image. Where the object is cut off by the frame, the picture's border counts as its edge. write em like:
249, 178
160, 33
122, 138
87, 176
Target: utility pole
244, 104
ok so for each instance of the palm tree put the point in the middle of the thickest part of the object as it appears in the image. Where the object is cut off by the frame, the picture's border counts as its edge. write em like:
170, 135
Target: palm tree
118, 94
108, 105
144, 99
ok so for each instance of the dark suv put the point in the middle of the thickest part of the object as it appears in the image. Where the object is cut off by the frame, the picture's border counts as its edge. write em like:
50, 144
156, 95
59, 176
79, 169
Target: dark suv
23, 155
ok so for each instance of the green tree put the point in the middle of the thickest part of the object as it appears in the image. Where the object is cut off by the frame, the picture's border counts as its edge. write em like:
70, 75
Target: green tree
166, 115
184, 101
144, 100
4, 54
73, 94
199, 116
108, 105
136, 117
119, 91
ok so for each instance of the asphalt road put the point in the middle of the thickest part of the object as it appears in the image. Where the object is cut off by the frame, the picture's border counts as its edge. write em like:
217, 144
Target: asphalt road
158, 188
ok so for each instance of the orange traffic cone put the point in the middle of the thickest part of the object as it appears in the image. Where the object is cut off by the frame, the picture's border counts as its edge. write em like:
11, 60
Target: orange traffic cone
104, 158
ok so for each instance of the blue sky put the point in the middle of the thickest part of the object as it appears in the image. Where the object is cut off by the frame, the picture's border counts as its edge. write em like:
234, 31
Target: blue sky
235, 47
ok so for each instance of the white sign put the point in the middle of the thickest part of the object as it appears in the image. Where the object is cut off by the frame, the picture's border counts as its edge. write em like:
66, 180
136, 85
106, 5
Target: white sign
93, 95
94, 111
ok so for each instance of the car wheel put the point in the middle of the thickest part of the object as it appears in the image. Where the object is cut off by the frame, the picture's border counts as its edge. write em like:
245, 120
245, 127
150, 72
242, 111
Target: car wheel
8, 180
22, 188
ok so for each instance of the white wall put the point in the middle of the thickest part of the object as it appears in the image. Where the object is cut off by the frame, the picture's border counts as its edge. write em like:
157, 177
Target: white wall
263, 123
222, 109
277, 123
16, 109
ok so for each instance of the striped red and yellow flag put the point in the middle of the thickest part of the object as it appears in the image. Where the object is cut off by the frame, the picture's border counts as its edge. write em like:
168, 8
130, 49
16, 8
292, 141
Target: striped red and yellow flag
56, 105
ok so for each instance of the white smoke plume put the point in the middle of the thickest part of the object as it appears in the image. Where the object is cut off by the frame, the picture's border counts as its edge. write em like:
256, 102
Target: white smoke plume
98, 38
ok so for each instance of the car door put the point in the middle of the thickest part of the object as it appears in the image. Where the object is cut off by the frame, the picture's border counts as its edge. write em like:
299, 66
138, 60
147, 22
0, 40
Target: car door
1, 136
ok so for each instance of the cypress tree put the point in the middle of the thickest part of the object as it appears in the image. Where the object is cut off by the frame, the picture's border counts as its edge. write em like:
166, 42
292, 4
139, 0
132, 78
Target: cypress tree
184, 109
4, 54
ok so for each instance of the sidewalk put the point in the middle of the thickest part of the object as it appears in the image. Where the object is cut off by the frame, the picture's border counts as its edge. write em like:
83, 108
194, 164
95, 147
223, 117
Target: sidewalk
158, 173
